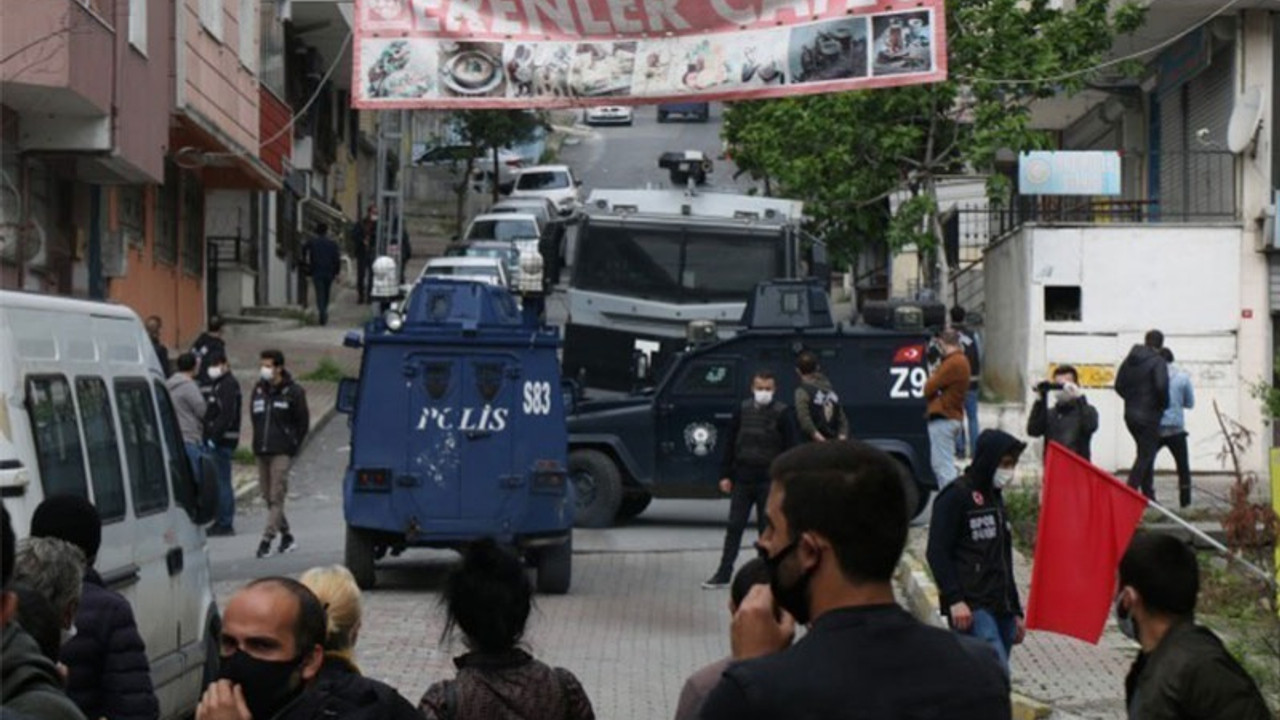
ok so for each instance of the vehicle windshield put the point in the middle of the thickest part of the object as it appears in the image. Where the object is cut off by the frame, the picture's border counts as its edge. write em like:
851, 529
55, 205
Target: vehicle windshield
467, 270
680, 265
548, 180
502, 230
508, 256
540, 211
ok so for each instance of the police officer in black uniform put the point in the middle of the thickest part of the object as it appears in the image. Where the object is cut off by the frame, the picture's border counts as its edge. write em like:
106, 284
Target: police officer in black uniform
759, 432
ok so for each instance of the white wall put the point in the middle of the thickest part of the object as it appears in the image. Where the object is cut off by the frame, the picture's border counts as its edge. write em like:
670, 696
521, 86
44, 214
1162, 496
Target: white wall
1007, 278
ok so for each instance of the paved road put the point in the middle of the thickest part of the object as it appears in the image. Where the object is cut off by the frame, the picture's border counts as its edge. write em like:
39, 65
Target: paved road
635, 624
627, 157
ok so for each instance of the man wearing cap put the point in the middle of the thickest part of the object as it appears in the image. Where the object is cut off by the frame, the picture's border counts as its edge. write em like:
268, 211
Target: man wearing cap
108, 672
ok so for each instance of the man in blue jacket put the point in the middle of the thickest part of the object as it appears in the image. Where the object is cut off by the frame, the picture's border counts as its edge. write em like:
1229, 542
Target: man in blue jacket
108, 674
1173, 426
324, 258
970, 552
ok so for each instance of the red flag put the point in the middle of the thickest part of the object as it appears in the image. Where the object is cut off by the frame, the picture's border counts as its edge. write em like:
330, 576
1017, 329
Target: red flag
1087, 518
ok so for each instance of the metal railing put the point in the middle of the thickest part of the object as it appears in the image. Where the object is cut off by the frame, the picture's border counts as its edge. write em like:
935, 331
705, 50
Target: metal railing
232, 252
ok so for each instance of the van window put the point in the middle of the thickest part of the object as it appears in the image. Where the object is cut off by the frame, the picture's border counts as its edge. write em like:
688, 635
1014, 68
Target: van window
53, 418
709, 378
142, 449
104, 452
543, 180
184, 483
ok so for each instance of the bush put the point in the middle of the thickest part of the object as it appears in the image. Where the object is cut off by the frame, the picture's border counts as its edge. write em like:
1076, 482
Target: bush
1022, 508
243, 456
326, 370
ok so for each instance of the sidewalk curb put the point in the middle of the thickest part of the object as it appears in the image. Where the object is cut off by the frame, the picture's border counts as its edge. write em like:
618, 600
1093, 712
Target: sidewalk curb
922, 601
249, 487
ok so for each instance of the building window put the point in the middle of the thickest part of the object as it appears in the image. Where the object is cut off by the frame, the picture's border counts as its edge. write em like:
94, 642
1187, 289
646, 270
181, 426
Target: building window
271, 48
165, 249
138, 25
211, 17
248, 47
192, 225
57, 436
1062, 303
132, 214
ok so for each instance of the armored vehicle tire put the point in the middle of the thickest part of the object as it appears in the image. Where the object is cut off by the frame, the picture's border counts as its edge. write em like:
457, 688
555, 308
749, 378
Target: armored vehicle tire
359, 557
598, 485
634, 502
555, 568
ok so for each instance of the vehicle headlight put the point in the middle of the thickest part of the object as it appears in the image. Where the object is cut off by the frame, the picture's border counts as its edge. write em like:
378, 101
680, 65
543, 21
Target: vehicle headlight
394, 320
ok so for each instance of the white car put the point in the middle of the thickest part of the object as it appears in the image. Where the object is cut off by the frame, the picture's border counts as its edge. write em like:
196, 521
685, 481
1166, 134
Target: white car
481, 269
609, 115
557, 183
503, 227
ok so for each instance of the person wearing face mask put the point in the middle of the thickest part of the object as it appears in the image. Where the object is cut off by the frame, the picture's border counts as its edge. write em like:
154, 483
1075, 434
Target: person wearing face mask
222, 435
837, 526
1072, 421
1183, 669
108, 674
758, 432
278, 409
970, 551
190, 408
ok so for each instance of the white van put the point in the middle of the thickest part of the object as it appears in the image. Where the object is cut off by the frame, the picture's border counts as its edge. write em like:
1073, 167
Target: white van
83, 409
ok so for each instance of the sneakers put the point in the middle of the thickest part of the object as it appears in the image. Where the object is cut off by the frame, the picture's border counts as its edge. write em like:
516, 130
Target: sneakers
716, 582
264, 549
287, 544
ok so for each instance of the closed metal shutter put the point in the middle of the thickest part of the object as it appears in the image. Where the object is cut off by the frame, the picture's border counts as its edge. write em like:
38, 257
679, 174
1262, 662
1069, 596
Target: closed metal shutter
1173, 147
1211, 168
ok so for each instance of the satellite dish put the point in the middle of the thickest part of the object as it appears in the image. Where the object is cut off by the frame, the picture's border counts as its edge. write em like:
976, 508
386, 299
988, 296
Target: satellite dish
1246, 117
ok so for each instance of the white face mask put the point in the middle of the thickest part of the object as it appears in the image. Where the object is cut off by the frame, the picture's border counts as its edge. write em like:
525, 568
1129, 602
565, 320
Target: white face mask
68, 633
1002, 477
215, 372
266, 373
763, 397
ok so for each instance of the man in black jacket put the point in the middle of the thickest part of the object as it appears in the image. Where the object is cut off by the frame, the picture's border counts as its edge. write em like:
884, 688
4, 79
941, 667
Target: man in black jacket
1072, 421
108, 674
280, 422
837, 526
1183, 670
209, 342
324, 261
222, 435
272, 665
970, 552
1143, 383
153, 326
758, 432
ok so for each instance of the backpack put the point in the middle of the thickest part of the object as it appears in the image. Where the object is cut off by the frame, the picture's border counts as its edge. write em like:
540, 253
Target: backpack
824, 409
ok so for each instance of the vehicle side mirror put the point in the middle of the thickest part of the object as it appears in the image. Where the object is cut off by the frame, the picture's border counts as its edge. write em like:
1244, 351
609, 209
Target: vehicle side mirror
641, 367
206, 508
353, 339
348, 392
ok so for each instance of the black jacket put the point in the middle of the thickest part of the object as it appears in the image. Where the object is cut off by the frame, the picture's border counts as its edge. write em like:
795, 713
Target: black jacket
1143, 382
29, 682
340, 692
1070, 424
1191, 676
874, 662
222, 419
323, 257
204, 345
970, 552
783, 427
107, 670
162, 354
280, 417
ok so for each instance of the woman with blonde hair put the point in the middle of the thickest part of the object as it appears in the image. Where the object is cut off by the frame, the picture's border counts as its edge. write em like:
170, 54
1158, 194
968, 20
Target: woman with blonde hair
342, 690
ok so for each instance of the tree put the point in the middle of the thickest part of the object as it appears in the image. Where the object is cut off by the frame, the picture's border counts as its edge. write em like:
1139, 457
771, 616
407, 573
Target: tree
845, 153
488, 131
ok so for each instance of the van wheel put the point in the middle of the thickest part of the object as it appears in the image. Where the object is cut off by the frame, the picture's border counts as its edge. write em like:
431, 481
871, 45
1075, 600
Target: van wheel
359, 557
555, 567
598, 486
634, 502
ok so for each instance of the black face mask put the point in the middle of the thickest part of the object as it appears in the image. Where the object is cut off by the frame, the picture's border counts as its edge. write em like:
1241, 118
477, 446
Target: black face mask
795, 598
268, 685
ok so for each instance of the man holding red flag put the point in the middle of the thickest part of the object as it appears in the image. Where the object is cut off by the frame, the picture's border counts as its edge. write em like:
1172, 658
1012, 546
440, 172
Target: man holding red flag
970, 552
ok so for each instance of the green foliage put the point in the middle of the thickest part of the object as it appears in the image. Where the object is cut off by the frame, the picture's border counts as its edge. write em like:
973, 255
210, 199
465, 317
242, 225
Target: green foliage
326, 370
1022, 508
844, 154
1269, 395
243, 456
491, 130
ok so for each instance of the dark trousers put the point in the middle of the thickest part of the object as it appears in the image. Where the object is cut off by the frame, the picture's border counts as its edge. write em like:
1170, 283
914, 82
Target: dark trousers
1177, 444
364, 277
750, 488
1147, 438
323, 285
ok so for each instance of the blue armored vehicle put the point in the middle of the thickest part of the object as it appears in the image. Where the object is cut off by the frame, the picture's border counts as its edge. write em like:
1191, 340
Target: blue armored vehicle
458, 431
666, 438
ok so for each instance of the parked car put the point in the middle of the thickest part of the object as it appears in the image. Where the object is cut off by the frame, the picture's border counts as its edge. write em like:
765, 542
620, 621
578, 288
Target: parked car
556, 183
507, 253
453, 159
699, 111
553, 230
503, 226
86, 412
483, 269
609, 115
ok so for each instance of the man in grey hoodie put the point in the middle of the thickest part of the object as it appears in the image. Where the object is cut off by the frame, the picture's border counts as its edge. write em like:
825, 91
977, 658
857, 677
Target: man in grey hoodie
190, 407
818, 409
1143, 383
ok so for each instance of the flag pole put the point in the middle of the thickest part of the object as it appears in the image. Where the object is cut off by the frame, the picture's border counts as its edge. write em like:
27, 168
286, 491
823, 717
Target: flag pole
1266, 576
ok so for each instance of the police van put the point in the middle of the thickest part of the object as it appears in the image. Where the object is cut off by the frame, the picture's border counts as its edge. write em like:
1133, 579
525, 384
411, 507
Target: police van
84, 410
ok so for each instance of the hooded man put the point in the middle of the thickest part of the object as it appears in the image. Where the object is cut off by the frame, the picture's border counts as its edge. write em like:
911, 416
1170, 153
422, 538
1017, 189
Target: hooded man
970, 552
1143, 383
818, 409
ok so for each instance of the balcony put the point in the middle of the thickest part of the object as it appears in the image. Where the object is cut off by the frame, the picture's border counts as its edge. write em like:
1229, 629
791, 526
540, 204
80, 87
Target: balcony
58, 72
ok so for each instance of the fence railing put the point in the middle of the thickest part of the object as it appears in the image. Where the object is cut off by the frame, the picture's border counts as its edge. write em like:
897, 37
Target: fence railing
232, 251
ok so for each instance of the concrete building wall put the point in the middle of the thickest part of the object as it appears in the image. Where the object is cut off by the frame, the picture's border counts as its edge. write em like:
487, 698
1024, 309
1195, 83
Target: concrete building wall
212, 81
146, 90
1007, 280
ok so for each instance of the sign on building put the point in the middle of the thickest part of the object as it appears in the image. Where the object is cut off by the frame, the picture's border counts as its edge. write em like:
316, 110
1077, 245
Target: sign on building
1069, 172
412, 54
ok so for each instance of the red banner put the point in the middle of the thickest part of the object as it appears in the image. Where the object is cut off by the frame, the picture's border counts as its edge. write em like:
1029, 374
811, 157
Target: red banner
413, 54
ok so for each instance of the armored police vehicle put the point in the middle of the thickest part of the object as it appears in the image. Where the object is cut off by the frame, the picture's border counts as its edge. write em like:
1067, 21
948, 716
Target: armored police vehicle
458, 429
667, 441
